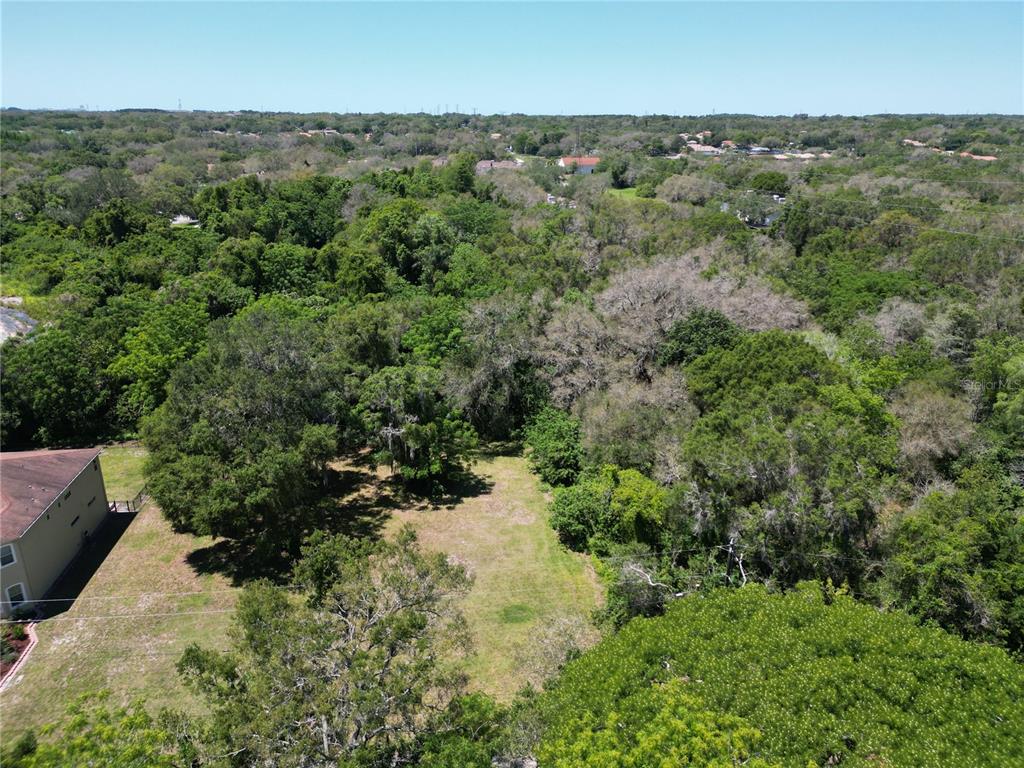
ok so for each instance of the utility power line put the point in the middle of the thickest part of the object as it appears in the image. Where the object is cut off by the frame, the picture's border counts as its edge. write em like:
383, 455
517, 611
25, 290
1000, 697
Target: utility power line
65, 617
535, 590
135, 596
492, 592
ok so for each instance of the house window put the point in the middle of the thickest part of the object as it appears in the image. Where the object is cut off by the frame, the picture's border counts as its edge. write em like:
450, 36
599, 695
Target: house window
76, 519
7, 555
15, 595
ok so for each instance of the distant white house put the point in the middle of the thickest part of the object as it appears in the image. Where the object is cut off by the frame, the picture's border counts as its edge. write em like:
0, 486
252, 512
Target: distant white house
183, 220
581, 165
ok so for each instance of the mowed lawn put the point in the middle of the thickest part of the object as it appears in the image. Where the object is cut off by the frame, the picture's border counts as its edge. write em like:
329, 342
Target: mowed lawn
122, 470
523, 579
128, 627
145, 603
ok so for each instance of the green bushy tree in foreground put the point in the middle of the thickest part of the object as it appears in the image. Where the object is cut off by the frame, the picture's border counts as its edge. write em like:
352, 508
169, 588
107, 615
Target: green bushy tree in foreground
93, 733
825, 680
661, 725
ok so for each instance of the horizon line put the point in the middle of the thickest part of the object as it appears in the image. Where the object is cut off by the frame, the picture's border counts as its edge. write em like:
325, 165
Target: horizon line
249, 110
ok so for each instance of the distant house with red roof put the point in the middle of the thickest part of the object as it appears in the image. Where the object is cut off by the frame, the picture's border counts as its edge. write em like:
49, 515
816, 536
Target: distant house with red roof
50, 502
579, 165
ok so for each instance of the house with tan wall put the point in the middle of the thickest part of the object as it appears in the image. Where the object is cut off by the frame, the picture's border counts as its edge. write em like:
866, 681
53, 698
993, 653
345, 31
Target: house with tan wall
51, 502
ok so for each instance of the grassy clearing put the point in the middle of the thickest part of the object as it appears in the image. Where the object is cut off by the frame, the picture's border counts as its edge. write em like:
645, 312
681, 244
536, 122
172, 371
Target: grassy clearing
122, 470
145, 575
523, 579
628, 193
39, 308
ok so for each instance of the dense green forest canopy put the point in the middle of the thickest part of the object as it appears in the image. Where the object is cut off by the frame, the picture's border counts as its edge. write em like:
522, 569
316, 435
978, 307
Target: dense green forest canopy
755, 359
795, 680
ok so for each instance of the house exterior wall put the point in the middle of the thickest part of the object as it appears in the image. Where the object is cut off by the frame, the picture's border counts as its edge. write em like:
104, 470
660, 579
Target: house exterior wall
14, 573
53, 540
578, 169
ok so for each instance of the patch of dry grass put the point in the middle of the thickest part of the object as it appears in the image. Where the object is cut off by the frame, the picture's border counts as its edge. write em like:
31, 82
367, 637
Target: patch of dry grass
523, 579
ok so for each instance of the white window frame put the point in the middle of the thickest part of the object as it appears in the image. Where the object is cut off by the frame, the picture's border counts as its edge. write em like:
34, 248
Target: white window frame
24, 595
14, 555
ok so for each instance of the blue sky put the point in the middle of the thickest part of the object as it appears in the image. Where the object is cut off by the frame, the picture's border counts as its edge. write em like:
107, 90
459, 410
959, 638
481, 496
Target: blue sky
677, 58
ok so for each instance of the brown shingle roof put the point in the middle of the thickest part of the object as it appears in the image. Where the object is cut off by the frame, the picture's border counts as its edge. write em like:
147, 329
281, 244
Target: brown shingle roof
31, 480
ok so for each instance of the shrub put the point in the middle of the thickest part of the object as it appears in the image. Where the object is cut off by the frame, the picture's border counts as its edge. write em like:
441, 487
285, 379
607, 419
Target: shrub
957, 558
611, 506
575, 512
92, 732
556, 451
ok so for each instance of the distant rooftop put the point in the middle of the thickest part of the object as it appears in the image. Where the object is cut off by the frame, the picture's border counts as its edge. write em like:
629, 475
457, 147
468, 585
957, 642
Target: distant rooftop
31, 480
582, 162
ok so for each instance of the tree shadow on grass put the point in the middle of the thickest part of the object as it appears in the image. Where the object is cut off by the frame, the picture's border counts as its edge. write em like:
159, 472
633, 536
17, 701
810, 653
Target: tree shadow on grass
239, 561
357, 502
493, 448
466, 485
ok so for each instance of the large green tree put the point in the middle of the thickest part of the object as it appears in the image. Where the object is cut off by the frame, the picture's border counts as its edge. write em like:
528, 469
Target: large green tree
407, 419
661, 725
165, 336
957, 558
240, 446
788, 461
